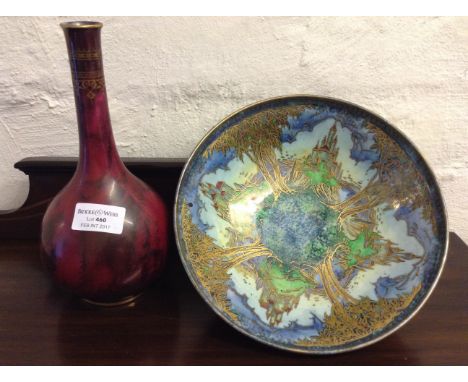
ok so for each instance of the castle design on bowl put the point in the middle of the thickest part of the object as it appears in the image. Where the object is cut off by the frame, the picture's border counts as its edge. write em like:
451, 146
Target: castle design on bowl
310, 224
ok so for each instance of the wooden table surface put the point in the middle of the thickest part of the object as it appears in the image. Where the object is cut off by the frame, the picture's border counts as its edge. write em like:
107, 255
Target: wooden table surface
171, 325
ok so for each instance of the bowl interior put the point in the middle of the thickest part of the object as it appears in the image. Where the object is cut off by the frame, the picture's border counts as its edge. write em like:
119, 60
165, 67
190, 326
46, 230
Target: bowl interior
310, 224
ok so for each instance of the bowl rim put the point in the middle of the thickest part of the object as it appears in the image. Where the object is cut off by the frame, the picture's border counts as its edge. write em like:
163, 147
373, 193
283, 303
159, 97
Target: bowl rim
322, 350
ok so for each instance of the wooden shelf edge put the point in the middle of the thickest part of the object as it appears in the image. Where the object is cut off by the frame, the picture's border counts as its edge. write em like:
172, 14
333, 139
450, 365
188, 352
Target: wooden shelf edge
48, 175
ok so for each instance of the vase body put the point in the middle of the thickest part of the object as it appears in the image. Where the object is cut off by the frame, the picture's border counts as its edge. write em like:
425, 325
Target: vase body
104, 236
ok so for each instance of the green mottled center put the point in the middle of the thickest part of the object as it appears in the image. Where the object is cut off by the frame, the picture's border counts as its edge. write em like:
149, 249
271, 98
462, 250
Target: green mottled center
298, 228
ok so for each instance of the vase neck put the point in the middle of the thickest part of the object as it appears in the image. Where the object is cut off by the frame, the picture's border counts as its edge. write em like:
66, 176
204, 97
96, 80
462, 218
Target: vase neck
98, 152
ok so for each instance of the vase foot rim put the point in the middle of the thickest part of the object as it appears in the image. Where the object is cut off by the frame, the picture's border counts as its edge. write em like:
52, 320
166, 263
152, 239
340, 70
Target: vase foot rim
124, 301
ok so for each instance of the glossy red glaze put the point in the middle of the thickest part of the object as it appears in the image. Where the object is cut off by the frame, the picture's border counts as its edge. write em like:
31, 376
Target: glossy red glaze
100, 266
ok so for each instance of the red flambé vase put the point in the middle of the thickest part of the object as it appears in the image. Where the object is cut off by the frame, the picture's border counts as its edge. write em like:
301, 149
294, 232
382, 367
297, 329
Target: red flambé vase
104, 236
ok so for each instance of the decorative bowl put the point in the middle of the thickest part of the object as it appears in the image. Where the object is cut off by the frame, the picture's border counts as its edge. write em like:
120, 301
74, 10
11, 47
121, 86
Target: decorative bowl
310, 224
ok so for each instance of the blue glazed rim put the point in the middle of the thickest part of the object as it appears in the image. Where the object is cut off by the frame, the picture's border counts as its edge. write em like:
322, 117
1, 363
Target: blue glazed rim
396, 135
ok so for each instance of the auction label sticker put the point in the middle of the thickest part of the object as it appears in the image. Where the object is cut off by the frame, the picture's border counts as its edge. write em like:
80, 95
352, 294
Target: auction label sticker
98, 218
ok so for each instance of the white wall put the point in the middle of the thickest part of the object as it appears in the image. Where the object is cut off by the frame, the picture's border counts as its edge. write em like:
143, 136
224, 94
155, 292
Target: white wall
171, 79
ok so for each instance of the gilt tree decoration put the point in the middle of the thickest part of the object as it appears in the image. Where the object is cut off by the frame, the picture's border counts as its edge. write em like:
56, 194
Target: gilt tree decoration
257, 138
